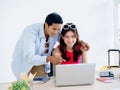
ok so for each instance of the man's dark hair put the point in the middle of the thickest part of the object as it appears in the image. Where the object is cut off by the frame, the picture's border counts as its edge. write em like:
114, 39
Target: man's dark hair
53, 18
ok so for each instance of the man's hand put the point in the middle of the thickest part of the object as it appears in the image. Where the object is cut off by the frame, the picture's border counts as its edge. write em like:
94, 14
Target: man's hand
54, 59
85, 45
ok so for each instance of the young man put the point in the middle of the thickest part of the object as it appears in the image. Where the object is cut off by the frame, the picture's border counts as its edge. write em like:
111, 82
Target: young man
35, 45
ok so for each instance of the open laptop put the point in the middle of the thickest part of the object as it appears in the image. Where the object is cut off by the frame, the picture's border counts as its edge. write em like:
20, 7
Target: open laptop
75, 74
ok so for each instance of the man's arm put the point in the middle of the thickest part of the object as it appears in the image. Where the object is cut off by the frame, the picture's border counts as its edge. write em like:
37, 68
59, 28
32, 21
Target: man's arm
85, 45
56, 57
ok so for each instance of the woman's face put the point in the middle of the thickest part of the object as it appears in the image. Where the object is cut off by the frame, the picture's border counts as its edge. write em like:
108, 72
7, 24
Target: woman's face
69, 39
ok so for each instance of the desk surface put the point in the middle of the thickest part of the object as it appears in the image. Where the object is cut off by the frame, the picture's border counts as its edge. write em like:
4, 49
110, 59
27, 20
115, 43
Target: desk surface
50, 85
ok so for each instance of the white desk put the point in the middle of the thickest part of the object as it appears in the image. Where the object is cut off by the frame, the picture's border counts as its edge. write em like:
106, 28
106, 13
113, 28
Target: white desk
50, 85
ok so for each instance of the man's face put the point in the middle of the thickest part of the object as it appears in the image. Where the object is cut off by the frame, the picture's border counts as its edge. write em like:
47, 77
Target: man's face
53, 29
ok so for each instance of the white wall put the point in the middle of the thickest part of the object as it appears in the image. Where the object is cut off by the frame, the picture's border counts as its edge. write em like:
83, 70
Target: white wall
117, 23
94, 19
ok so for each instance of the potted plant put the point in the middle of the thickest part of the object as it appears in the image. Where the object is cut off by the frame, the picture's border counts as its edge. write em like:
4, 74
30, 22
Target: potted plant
20, 85
25, 83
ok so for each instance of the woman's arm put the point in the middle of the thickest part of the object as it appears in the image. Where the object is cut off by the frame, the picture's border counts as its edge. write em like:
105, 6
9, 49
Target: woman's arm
56, 52
84, 55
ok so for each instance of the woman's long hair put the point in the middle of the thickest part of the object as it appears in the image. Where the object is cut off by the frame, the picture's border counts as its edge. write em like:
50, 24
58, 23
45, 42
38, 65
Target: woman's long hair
76, 47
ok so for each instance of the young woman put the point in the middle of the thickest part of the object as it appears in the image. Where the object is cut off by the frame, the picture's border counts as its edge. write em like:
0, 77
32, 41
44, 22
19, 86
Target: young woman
70, 48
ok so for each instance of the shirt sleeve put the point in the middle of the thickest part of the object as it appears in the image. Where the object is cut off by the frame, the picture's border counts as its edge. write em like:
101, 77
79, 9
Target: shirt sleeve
30, 55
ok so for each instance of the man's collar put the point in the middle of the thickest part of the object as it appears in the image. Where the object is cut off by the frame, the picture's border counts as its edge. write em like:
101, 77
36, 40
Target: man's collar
42, 34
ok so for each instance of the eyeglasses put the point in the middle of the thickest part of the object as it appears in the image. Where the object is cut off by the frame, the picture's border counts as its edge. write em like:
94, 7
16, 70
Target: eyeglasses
46, 45
69, 26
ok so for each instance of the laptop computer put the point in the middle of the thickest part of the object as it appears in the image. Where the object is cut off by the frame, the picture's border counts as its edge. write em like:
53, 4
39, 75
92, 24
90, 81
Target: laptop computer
75, 74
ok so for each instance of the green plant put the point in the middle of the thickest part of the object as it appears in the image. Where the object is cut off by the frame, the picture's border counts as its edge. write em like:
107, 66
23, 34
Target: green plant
20, 85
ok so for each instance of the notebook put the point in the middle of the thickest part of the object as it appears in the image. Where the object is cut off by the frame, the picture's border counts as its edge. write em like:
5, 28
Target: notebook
75, 74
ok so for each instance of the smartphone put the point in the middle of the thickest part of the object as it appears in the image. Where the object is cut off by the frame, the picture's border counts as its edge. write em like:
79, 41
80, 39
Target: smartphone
106, 74
41, 79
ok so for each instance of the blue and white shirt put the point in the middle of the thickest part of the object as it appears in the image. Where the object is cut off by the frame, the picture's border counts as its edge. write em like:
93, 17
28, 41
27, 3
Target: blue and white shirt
30, 48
